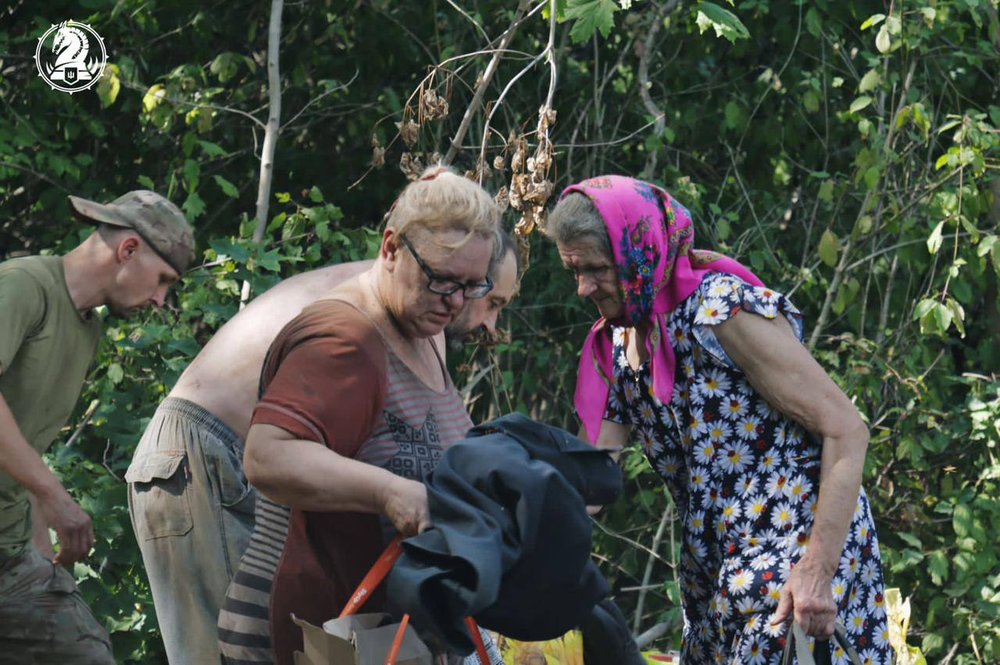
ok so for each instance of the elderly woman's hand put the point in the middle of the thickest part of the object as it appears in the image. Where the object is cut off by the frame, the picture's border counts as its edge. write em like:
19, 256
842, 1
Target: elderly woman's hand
404, 502
808, 598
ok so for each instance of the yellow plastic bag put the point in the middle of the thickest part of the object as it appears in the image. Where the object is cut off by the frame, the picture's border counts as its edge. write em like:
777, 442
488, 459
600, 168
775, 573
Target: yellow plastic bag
898, 610
565, 650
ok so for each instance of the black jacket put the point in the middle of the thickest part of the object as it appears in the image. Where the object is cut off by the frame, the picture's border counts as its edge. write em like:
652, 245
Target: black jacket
511, 538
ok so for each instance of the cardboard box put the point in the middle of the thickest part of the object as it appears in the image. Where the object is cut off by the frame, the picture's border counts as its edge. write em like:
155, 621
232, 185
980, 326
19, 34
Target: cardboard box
361, 639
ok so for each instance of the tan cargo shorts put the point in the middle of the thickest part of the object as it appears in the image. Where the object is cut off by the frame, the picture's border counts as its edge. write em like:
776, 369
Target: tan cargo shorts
43, 618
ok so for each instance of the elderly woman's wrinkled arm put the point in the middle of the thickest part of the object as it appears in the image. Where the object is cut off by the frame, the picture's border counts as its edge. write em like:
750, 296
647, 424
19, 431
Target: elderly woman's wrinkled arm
613, 437
779, 367
309, 476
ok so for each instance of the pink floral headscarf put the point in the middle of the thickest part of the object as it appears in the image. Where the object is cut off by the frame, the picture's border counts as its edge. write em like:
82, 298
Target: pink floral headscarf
651, 238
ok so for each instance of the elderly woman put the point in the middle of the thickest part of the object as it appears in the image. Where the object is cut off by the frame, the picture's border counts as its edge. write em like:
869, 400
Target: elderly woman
761, 451
357, 404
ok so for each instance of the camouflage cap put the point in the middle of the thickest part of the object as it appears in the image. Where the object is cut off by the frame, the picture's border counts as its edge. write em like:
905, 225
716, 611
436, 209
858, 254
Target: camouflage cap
160, 223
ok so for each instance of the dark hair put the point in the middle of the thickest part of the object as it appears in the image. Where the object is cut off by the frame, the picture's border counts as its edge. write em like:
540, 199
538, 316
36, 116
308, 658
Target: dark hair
508, 244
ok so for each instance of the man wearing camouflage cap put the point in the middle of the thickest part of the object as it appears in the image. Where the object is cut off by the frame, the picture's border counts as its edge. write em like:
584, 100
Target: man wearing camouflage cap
48, 339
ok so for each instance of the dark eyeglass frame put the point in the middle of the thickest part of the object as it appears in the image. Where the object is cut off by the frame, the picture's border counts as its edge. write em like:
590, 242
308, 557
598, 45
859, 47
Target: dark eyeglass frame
468, 290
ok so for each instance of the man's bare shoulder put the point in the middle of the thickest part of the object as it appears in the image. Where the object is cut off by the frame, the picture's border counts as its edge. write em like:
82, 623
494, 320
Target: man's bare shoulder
308, 287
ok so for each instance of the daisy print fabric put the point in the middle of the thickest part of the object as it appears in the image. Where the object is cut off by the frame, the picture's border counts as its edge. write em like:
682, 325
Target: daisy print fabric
745, 480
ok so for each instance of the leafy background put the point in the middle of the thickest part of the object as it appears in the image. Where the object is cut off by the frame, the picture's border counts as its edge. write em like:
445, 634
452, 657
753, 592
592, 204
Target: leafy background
847, 151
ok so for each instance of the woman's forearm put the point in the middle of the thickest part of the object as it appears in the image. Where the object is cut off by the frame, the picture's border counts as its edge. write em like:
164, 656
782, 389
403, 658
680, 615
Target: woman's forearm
840, 481
309, 476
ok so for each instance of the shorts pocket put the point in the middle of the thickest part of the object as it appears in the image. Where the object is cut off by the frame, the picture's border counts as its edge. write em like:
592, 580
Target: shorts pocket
160, 504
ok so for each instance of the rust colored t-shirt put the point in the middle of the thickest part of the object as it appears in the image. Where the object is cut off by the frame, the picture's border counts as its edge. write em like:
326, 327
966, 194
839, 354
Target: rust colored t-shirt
329, 377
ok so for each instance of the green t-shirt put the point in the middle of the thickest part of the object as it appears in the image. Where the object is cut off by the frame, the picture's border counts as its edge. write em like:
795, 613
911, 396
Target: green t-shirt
46, 348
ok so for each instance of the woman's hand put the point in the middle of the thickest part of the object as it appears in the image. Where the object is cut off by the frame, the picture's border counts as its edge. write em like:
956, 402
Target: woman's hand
808, 598
404, 502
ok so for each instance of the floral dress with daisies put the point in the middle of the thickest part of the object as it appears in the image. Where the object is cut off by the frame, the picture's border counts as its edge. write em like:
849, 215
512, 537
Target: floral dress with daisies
745, 479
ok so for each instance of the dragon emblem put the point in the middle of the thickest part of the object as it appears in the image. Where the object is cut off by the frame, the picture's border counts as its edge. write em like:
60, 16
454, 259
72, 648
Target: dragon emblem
75, 59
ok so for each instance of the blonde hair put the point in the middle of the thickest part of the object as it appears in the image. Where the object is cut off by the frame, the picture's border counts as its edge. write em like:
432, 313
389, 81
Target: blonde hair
441, 200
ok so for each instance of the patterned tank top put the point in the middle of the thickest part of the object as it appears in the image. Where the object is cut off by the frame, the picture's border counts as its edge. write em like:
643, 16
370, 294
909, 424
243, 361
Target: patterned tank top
416, 426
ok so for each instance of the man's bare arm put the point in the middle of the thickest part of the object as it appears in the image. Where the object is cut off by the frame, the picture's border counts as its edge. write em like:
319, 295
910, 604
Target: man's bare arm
53, 505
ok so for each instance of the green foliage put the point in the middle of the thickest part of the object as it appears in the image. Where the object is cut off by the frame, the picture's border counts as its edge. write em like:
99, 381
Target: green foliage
850, 159
724, 22
589, 16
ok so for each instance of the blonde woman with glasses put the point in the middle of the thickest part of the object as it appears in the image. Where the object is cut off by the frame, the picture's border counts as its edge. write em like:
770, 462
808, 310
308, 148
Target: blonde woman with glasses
357, 407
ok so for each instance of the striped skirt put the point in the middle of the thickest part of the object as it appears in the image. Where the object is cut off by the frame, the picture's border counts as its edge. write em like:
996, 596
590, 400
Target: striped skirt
244, 631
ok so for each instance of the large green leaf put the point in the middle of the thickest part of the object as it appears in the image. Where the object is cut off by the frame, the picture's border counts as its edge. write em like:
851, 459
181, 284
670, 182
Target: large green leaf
870, 81
725, 23
193, 206
590, 16
829, 247
937, 564
936, 237
962, 520
862, 102
228, 188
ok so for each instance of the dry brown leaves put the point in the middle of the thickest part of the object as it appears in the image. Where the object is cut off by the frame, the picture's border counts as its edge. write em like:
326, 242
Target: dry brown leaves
378, 153
412, 164
503, 199
409, 131
530, 186
432, 107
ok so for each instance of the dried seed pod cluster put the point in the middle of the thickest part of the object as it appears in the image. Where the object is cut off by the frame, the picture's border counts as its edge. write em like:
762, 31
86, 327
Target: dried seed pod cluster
530, 186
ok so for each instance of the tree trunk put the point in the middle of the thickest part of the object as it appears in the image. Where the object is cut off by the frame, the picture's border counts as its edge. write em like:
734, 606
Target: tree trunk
270, 132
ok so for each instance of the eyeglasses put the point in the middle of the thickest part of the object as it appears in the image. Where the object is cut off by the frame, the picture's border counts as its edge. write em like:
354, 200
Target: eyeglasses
444, 286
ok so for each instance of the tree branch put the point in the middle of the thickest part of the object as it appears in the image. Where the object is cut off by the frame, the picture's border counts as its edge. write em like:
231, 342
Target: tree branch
270, 131
87, 416
474, 22
842, 265
41, 176
648, 637
644, 84
321, 96
186, 102
667, 517
477, 99
549, 50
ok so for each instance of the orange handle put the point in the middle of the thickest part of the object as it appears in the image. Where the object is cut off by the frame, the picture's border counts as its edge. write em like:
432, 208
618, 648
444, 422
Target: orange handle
477, 639
397, 641
378, 572
374, 577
